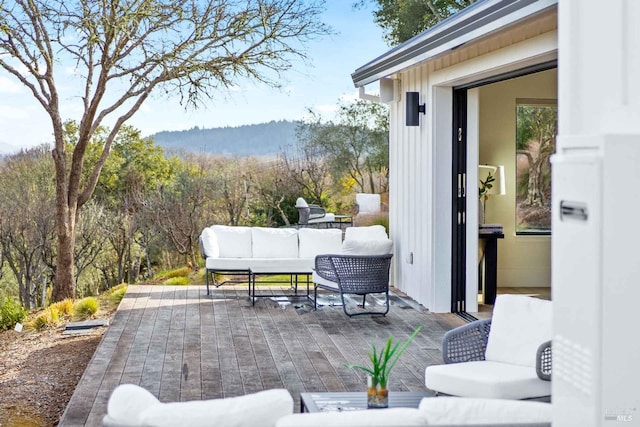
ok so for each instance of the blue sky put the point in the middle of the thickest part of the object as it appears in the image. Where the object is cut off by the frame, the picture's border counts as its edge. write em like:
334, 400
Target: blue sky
319, 86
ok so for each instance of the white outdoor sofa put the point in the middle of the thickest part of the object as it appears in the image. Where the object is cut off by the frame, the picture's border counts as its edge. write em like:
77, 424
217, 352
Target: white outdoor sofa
260, 250
132, 406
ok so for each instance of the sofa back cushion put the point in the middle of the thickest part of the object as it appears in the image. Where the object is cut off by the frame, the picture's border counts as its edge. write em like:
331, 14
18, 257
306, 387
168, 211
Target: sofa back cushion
520, 324
319, 242
274, 242
233, 242
210, 242
367, 247
371, 232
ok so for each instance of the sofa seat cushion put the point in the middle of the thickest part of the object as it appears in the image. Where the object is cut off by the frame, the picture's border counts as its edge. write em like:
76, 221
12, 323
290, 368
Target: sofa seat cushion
328, 217
519, 325
262, 265
396, 417
493, 380
233, 242
316, 278
274, 242
462, 411
130, 405
371, 232
314, 242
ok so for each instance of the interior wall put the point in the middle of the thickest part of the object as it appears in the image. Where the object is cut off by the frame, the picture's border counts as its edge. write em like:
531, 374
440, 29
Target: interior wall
522, 260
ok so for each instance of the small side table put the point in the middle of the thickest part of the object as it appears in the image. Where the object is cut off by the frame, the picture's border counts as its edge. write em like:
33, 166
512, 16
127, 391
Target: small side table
490, 265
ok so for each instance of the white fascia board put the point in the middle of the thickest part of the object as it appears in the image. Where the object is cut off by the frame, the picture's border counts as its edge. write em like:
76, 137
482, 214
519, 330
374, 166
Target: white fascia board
397, 63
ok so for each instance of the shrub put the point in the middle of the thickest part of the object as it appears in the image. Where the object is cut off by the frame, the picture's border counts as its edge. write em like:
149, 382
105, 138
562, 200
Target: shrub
116, 295
178, 272
180, 281
85, 308
116, 289
11, 312
64, 307
48, 317
382, 219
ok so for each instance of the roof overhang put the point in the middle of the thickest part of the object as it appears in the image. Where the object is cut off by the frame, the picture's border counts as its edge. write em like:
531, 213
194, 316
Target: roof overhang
476, 21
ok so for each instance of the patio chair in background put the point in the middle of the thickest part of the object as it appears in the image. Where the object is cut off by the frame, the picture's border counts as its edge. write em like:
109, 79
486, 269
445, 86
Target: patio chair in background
312, 214
505, 357
353, 274
367, 205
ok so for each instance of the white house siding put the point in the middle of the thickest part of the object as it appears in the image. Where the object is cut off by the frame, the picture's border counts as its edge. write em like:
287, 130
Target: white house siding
420, 157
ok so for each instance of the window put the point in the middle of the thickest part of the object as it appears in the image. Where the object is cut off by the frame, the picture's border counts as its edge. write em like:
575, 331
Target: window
536, 129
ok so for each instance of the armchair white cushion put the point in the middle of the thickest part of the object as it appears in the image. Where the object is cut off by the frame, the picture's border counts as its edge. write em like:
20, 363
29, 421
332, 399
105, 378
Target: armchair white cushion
371, 232
367, 247
130, 405
502, 365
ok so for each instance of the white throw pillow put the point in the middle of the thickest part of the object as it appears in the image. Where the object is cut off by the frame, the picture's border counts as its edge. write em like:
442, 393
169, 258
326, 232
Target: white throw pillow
519, 325
258, 409
233, 242
371, 232
367, 247
127, 402
316, 242
210, 243
464, 410
274, 242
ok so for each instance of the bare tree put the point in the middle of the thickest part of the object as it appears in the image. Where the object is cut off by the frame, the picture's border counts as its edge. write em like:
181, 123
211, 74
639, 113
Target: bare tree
26, 220
125, 50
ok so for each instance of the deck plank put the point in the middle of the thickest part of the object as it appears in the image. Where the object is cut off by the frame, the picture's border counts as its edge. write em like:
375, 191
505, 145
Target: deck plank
181, 344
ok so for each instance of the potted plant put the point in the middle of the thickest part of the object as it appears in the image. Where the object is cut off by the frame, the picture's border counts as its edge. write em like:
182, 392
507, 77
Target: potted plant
378, 373
483, 194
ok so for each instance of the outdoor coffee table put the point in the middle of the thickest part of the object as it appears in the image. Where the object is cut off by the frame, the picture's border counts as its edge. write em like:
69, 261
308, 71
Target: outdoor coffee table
352, 401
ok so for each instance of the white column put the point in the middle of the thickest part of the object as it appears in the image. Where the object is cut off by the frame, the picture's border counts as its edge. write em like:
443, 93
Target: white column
595, 262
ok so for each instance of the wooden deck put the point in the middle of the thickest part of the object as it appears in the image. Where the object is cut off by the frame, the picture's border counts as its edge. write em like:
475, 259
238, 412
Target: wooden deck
182, 345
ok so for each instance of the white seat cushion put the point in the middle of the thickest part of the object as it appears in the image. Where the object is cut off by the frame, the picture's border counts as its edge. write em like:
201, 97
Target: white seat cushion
262, 265
328, 217
315, 277
519, 325
274, 242
493, 380
131, 405
371, 232
463, 411
233, 242
316, 242
396, 417
367, 247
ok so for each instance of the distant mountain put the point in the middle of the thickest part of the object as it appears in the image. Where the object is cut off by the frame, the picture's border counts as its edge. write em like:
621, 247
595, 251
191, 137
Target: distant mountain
265, 139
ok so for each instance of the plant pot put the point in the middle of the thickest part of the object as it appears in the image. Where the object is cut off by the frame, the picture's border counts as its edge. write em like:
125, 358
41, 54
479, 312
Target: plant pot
377, 396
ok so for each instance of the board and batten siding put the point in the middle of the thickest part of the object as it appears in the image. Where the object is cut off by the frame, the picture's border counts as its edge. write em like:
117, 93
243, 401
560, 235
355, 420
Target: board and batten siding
420, 163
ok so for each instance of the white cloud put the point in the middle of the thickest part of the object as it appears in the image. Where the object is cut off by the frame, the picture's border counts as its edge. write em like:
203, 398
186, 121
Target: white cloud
349, 97
9, 86
8, 113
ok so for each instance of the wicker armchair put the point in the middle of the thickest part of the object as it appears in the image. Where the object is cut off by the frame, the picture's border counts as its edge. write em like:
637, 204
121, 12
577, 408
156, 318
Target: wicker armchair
514, 364
469, 343
353, 274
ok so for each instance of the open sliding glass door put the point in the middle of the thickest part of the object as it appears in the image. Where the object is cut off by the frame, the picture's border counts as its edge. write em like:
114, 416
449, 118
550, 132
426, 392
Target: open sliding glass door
459, 199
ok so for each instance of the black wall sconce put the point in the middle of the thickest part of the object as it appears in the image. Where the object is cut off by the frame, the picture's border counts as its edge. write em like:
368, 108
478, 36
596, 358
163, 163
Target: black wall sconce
414, 108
